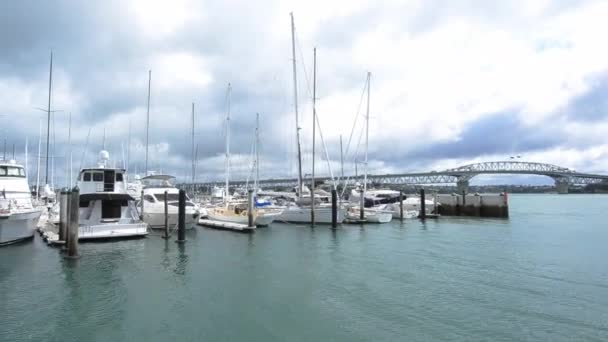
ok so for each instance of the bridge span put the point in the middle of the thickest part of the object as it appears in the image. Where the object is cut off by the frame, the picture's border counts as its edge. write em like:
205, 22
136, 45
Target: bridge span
460, 176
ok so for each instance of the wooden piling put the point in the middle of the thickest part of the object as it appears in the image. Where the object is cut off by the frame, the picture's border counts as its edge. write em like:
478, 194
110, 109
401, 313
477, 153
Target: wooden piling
250, 222
422, 205
73, 204
401, 205
181, 224
141, 204
166, 236
63, 212
334, 208
362, 206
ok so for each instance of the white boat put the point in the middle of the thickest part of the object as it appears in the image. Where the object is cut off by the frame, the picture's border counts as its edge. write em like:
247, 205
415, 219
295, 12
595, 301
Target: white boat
369, 215
236, 212
300, 214
18, 216
411, 207
107, 211
154, 188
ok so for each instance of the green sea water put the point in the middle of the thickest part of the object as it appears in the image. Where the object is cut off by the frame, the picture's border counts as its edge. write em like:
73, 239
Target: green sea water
540, 275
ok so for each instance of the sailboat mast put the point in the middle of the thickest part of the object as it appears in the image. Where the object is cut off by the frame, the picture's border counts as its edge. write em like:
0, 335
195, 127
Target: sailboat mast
369, 76
148, 120
341, 159
70, 145
38, 165
295, 103
27, 166
227, 160
257, 153
48, 121
128, 151
314, 124
193, 152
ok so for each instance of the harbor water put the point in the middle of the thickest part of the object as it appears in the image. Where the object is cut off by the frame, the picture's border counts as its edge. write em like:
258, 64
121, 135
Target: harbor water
542, 274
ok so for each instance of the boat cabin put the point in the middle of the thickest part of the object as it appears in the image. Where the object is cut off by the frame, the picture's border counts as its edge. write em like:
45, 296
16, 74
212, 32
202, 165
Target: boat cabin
101, 180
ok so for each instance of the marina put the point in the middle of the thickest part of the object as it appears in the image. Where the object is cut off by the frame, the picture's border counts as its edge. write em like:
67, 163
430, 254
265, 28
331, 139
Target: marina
352, 171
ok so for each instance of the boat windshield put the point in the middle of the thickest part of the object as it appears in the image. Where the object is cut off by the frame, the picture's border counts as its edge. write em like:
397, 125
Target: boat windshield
171, 197
12, 171
159, 182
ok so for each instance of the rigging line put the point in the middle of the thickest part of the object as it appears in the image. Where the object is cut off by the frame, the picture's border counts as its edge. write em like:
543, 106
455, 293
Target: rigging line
326, 153
304, 67
356, 118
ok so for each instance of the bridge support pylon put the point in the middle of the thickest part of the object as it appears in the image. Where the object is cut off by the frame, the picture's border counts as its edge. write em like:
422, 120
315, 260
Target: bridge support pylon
462, 185
561, 185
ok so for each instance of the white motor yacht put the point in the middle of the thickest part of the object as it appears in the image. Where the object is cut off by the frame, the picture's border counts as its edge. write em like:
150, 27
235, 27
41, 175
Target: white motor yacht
18, 216
154, 188
370, 215
107, 211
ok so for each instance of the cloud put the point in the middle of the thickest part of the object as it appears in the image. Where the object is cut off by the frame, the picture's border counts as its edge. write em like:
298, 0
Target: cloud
452, 83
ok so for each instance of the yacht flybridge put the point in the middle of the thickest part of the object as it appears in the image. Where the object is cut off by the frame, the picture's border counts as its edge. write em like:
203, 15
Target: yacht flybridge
107, 211
18, 216
154, 188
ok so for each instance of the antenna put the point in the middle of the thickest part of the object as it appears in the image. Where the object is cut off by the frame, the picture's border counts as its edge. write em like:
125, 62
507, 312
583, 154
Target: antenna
13, 151
148, 118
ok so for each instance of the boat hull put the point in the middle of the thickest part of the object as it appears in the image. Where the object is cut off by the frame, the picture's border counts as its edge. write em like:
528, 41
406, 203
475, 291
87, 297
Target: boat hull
302, 215
157, 220
18, 226
259, 220
112, 231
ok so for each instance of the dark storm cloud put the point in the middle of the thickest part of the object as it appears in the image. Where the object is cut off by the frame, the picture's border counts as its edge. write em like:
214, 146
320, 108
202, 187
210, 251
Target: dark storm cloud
592, 106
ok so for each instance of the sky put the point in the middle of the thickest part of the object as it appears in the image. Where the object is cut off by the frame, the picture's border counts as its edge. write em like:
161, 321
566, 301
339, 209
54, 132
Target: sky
452, 83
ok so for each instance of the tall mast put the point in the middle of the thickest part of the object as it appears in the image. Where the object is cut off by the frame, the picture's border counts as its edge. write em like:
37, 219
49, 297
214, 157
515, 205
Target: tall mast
128, 151
341, 159
48, 121
38, 166
148, 120
314, 124
193, 152
27, 166
70, 144
257, 153
295, 103
53, 152
227, 160
369, 76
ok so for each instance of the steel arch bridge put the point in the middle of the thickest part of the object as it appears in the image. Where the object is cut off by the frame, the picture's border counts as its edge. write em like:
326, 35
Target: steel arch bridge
460, 176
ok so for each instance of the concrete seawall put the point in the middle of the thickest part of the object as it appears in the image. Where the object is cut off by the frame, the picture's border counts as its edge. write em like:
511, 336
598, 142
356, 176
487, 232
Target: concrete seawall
481, 205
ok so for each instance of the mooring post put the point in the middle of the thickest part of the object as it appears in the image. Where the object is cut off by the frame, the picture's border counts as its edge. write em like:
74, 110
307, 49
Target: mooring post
250, 223
362, 206
181, 217
63, 210
73, 204
141, 204
166, 215
401, 205
422, 205
334, 208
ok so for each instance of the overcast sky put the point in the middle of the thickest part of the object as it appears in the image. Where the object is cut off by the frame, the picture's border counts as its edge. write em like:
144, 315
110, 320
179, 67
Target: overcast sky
453, 82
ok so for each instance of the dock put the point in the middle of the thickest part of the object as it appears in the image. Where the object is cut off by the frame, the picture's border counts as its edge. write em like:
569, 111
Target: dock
225, 225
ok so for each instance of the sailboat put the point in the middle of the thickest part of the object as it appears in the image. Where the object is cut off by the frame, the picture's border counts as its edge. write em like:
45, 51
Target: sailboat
234, 210
360, 213
314, 212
